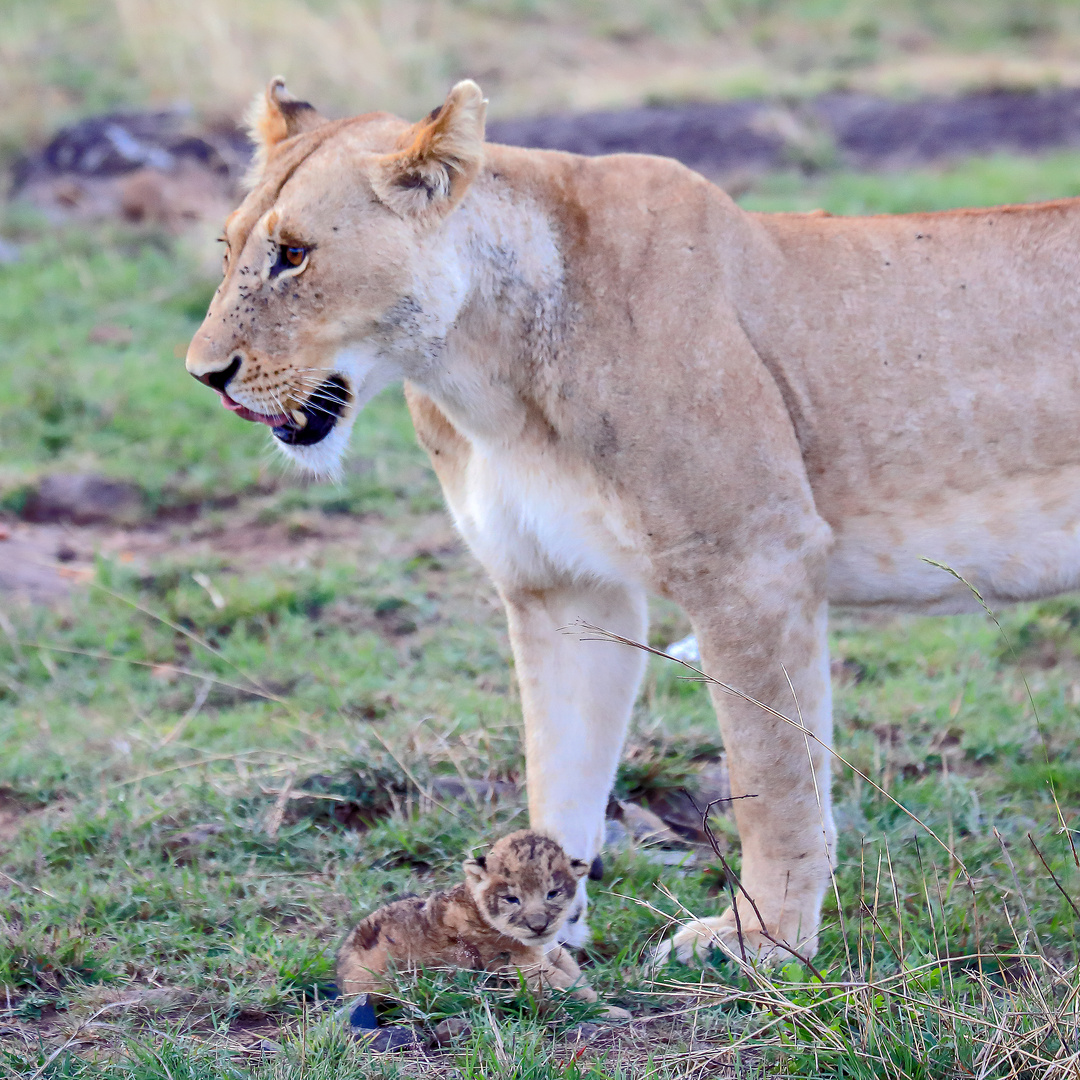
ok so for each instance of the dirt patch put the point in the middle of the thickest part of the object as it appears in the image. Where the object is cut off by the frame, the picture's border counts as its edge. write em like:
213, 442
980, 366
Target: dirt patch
147, 168
161, 168
859, 130
41, 562
13, 811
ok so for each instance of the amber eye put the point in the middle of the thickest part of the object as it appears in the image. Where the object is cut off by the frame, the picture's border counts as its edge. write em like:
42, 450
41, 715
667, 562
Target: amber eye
289, 257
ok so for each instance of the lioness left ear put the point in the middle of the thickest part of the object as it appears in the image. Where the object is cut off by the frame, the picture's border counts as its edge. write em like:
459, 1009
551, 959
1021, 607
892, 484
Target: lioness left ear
579, 868
439, 157
275, 116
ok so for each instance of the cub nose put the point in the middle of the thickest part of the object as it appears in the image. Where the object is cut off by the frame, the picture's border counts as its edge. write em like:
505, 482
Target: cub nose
537, 923
218, 380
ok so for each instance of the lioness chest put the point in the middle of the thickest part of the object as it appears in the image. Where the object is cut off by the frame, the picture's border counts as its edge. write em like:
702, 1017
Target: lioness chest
536, 521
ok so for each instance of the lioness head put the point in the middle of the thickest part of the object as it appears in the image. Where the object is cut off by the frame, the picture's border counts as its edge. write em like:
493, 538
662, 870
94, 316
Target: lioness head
525, 886
323, 301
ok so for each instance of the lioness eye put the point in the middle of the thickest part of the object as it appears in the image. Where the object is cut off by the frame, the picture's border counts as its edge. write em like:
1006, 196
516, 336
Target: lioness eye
511, 899
289, 256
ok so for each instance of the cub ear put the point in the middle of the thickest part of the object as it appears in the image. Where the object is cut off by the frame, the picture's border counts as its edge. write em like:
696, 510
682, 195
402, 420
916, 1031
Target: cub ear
475, 869
579, 868
439, 157
275, 116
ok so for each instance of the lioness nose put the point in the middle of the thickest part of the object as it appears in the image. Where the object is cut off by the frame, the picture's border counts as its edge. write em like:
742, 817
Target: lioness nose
218, 380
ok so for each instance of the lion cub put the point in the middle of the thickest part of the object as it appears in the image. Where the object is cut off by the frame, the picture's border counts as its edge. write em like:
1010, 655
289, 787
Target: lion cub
503, 917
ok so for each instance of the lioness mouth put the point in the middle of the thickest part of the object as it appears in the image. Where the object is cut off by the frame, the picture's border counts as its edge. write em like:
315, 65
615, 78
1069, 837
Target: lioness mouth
315, 419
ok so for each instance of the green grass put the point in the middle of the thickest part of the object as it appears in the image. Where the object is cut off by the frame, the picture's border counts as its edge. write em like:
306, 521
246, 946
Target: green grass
162, 897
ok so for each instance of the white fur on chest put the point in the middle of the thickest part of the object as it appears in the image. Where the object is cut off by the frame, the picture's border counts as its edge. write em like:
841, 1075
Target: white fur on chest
536, 525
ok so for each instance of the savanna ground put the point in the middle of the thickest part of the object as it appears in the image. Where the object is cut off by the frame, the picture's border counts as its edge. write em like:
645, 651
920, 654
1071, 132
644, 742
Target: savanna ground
237, 723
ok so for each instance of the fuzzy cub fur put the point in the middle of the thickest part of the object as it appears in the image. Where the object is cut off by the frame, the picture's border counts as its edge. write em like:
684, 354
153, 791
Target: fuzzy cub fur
503, 917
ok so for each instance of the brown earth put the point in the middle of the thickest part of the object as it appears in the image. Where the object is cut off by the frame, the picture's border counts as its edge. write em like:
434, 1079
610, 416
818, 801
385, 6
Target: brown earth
161, 168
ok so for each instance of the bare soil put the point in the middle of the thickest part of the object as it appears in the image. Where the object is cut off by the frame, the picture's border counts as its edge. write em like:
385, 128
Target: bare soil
155, 167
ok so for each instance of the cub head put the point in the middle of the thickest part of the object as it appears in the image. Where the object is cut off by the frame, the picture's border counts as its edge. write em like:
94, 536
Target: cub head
335, 283
525, 886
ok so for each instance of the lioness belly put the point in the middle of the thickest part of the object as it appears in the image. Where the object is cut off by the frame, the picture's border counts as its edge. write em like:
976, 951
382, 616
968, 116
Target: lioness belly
1017, 538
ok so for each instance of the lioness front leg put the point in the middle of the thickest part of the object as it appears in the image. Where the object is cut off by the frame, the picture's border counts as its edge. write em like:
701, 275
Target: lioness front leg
764, 626
576, 698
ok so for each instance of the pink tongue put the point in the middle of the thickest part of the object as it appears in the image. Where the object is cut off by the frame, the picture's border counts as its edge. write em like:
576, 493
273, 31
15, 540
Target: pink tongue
249, 414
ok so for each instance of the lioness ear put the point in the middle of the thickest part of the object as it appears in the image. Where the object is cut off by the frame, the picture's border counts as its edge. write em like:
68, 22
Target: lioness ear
475, 869
439, 157
275, 116
579, 868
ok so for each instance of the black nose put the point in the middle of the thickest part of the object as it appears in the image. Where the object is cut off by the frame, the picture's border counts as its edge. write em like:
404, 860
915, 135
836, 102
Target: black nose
218, 380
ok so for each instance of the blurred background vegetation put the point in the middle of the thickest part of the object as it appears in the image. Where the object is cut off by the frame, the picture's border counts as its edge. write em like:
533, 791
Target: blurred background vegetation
63, 58
346, 646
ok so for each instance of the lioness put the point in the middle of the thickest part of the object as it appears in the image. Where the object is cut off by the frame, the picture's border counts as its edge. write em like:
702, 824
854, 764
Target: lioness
626, 383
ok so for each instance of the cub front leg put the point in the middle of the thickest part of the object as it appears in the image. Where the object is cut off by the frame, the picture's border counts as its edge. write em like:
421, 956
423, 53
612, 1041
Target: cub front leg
576, 698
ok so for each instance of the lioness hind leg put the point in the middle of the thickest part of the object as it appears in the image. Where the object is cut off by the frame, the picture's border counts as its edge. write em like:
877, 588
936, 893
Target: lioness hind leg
770, 643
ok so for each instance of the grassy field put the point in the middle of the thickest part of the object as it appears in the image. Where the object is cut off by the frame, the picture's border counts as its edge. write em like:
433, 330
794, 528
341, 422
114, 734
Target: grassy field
215, 756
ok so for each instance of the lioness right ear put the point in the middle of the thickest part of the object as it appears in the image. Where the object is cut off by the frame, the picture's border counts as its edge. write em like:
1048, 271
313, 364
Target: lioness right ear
439, 157
275, 116
475, 869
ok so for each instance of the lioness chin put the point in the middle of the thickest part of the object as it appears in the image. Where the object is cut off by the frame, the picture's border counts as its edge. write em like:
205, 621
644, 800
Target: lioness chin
626, 383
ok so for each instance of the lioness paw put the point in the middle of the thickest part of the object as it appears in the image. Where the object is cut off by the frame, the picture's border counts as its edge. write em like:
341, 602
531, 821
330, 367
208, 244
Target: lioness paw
575, 932
693, 942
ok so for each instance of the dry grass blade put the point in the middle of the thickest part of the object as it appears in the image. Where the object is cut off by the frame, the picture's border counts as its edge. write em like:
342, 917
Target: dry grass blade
157, 667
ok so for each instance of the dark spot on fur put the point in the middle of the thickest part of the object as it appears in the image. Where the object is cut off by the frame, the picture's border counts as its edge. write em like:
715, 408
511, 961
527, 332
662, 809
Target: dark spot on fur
367, 933
607, 442
596, 870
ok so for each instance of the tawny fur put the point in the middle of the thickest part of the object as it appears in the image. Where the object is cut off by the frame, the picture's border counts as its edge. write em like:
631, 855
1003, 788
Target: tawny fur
627, 383
475, 925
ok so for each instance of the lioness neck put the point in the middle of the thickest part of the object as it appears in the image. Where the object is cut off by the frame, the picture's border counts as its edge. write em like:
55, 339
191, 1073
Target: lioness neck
497, 271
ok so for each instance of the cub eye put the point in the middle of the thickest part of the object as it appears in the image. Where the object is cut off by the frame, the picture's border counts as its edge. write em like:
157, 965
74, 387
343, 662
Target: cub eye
511, 900
553, 894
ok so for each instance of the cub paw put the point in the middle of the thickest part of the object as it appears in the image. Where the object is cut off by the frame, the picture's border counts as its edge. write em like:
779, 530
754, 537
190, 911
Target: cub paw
613, 1012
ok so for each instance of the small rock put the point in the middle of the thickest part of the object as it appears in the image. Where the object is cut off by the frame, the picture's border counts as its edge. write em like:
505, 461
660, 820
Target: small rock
645, 825
685, 649
615, 833
362, 1015
448, 1030
581, 1034
387, 1040
670, 858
